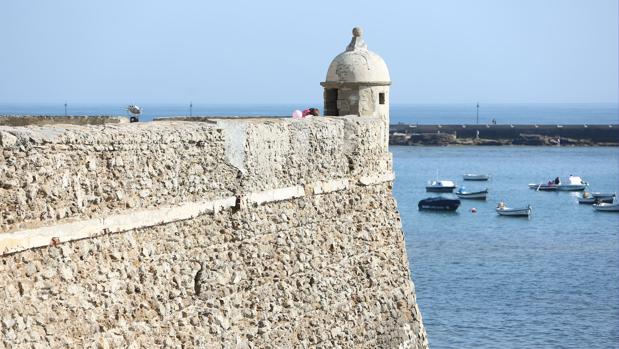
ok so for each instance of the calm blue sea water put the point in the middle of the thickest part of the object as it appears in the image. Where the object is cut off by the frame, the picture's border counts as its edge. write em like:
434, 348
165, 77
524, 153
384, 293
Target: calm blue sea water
566, 113
485, 281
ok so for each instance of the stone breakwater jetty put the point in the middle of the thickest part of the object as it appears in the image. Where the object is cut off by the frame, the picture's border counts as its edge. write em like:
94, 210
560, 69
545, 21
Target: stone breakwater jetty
210, 233
476, 134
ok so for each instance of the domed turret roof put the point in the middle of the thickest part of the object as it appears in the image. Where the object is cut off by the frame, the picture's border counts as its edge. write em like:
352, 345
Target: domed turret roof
358, 64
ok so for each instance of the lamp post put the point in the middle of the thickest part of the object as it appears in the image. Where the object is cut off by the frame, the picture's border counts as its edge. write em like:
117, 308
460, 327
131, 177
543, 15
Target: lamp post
65, 108
478, 113
190, 108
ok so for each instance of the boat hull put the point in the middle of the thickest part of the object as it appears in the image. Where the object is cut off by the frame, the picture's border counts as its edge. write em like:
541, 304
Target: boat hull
440, 189
439, 204
472, 196
514, 212
606, 207
543, 187
477, 195
475, 177
593, 200
603, 195
571, 187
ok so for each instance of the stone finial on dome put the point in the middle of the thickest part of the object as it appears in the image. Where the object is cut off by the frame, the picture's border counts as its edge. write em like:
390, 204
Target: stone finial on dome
357, 42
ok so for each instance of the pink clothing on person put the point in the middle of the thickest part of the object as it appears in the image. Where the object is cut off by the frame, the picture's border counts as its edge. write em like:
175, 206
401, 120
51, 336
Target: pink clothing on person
307, 112
297, 114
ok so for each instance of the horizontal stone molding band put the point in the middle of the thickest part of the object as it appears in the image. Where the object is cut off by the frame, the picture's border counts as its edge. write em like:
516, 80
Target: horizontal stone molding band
21, 240
54, 234
279, 194
379, 178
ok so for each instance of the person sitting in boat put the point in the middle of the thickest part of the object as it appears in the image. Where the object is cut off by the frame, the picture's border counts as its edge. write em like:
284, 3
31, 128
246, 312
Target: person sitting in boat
557, 181
500, 205
585, 194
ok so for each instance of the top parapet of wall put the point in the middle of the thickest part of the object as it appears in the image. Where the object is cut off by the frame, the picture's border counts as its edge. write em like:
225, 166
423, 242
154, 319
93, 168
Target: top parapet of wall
25, 120
54, 174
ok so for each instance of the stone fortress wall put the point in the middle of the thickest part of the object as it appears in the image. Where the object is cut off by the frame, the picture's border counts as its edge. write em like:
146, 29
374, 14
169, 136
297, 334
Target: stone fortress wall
216, 233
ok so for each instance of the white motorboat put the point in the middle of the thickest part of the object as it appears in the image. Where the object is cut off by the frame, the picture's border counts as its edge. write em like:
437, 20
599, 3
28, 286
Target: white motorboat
475, 177
606, 207
441, 186
574, 183
462, 193
503, 210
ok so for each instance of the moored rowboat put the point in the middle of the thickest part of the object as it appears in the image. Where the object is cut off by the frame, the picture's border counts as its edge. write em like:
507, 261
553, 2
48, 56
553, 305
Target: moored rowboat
605, 207
600, 195
514, 212
595, 198
477, 195
475, 177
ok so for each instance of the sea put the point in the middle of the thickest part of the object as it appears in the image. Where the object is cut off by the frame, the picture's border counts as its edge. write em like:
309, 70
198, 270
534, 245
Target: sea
489, 281
483, 280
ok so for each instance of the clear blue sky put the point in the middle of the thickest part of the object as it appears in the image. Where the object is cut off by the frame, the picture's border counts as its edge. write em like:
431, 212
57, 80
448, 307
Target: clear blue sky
278, 51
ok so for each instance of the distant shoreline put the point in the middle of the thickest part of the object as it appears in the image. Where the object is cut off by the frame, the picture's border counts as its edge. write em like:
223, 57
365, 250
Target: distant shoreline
505, 134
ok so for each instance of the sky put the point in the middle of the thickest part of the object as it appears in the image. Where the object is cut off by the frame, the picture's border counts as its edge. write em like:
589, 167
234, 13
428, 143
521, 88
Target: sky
440, 51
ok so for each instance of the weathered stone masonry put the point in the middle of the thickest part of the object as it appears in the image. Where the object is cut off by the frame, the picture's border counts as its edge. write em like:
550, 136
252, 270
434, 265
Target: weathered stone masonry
224, 233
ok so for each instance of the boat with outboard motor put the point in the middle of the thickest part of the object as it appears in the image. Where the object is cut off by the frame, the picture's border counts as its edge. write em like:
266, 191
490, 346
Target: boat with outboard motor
574, 183
439, 203
503, 210
443, 186
475, 177
462, 193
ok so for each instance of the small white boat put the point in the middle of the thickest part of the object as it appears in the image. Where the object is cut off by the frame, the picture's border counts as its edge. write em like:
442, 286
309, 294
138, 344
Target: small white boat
441, 186
574, 183
606, 207
503, 210
475, 177
476, 195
